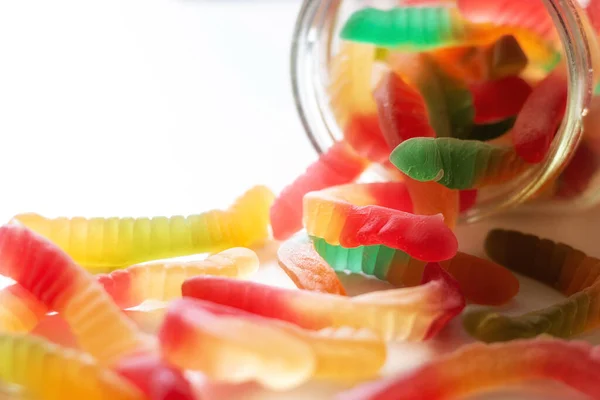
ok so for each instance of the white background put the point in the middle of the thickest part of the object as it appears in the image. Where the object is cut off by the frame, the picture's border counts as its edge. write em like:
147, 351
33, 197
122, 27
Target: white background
161, 107
144, 107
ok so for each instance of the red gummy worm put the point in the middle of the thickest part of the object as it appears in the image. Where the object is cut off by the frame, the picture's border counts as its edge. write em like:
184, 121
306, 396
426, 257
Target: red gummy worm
467, 199
527, 14
499, 99
540, 117
341, 216
424, 237
402, 111
593, 12
576, 177
452, 293
155, 377
387, 313
59, 284
339, 165
256, 298
362, 132
389, 194
479, 367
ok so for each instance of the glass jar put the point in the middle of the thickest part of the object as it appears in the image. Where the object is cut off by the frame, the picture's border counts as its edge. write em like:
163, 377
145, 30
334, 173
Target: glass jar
316, 41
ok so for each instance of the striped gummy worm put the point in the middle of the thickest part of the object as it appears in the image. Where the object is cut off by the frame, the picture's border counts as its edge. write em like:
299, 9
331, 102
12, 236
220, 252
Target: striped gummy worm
339, 165
343, 354
55, 329
162, 280
431, 198
577, 314
479, 367
459, 103
20, 311
415, 28
305, 267
402, 111
370, 214
118, 242
411, 314
377, 261
558, 265
45, 271
147, 371
420, 71
534, 130
499, 99
363, 133
233, 350
155, 377
457, 164
480, 280
352, 102
448, 99
531, 15
350, 87
134, 285
53, 373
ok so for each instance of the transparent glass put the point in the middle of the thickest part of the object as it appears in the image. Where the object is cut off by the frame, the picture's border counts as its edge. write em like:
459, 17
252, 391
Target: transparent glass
315, 43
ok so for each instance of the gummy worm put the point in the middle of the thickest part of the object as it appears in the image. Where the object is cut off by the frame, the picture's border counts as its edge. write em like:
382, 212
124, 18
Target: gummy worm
479, 367
45, 271
411, 314
338, 355
20, 311
372, 214
162, 280
534, 130
339, 165
305, 267
481, 281
53, 373
352, 101
531, 15
118, 242
233, 350
557, 265
566, 269
402, 111
415, 28
457, 164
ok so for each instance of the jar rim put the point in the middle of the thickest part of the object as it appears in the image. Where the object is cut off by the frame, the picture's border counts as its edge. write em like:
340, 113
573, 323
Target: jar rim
579, 46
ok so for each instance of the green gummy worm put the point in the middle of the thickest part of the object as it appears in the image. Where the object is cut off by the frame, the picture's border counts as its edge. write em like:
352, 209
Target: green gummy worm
411, 28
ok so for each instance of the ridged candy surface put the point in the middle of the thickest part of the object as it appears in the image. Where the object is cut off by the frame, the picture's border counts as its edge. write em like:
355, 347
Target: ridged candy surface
118, 242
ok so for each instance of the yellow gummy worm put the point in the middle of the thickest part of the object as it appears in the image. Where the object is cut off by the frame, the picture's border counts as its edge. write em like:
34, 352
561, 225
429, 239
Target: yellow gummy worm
98, 243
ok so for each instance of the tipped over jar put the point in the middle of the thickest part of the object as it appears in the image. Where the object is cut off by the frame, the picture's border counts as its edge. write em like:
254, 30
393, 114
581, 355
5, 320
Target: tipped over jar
489, 102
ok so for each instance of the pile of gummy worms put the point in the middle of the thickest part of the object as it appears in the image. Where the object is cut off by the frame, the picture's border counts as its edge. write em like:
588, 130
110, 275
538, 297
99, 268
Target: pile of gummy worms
468, 94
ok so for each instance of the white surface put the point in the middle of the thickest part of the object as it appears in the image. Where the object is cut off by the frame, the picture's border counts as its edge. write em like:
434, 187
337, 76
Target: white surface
146, 107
